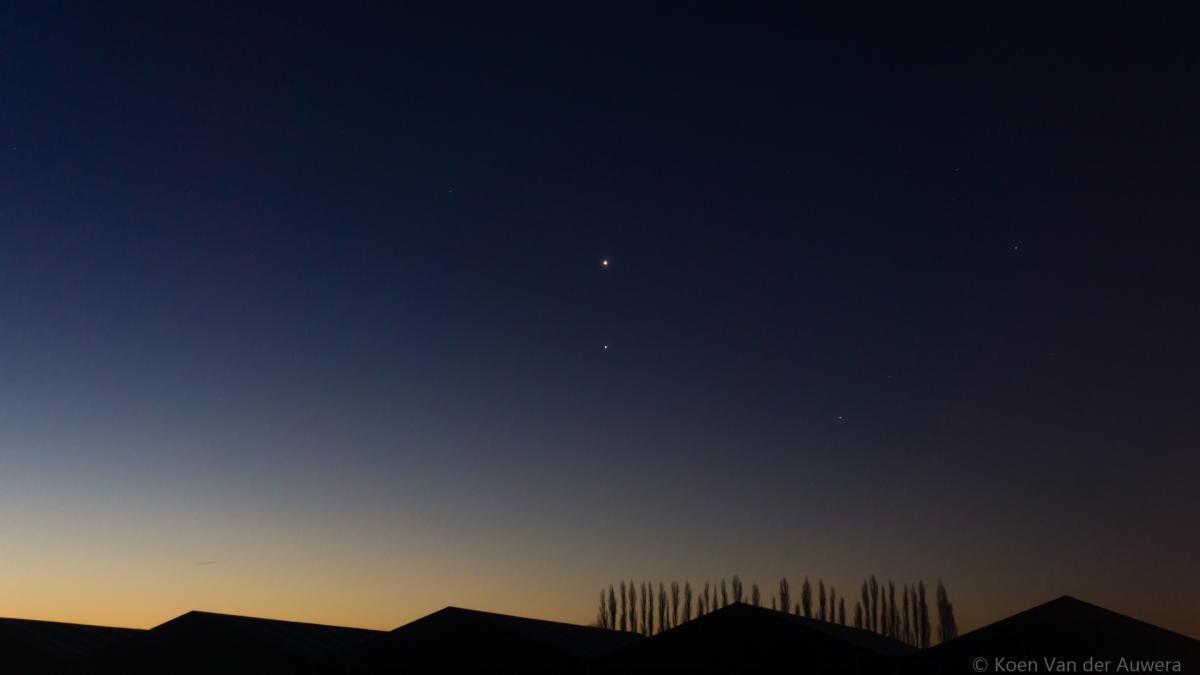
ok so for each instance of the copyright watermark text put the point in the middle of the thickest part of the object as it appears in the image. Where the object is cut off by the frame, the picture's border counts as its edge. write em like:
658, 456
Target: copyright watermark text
1001, 664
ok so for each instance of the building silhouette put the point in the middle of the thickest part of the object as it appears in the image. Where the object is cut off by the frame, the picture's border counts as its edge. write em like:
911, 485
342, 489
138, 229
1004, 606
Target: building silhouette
739, 638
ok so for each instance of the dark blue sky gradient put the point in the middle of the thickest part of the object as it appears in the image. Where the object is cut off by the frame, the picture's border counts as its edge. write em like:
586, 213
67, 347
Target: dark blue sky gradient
284, 272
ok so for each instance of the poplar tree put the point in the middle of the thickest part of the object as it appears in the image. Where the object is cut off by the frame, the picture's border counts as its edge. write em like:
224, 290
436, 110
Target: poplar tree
893, 611
864, 605
612, 607
905, 624
947, 628
873, 610
602, 613
648, 615
924, 633
647, 608
664, 609
883, 611
624, 610
806, 598
674, 604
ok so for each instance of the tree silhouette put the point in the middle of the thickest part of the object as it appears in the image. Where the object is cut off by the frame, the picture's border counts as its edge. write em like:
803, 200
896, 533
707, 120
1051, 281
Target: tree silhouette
634, 620
947, 628
885, 615
905, 620
674, 603
893, 612
649, 604
624, 610
914, 619
664, 616
864, 606
639, 608
602, 613
883, 611
806, 598
923, 639
643, 610
873, 609
649, 621
642, 601
612, 607
627, 608
648, 616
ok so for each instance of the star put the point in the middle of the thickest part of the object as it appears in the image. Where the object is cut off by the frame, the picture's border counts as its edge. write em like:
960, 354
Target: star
604, 262
605, 347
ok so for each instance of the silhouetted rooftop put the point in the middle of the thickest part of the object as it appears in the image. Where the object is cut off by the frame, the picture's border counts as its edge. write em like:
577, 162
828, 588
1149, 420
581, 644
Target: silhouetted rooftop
28, 646
1065, 628
744, 638
738, 638
208, 642
452, 639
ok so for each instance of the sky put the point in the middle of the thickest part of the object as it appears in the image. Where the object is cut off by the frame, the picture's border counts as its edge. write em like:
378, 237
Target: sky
304, 314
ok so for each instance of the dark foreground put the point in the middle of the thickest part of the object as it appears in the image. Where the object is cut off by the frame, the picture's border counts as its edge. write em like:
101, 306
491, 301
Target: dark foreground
1064, 635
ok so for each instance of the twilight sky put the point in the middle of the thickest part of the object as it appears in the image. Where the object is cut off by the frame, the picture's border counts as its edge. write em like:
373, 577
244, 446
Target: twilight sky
302, 312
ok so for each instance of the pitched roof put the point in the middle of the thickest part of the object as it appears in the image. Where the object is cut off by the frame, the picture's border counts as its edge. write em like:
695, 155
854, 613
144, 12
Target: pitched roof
1065, 628
454, 638
29, 646
208, 642
745, 638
